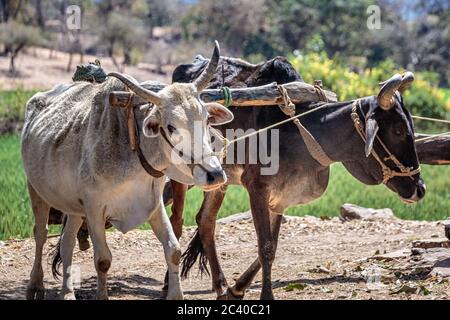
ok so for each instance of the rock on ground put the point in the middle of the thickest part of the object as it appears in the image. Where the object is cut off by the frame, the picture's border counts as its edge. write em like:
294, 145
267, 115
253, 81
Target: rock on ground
352, 211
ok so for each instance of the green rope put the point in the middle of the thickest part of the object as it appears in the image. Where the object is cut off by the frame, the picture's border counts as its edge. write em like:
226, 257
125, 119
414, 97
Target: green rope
228, 99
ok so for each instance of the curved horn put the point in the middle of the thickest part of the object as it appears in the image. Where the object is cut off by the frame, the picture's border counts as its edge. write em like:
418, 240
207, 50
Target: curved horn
146, 94
386, 96
408, 79
202, 81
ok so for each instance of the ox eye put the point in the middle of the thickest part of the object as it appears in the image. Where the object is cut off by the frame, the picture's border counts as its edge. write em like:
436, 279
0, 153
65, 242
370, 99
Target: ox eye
399, 131
171, 129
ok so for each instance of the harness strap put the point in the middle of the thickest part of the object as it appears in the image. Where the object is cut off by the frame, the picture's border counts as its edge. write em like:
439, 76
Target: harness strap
314, 148
388, 173
147, 166
133, 138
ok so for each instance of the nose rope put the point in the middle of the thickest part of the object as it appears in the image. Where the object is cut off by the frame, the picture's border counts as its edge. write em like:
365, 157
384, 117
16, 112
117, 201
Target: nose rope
388, 173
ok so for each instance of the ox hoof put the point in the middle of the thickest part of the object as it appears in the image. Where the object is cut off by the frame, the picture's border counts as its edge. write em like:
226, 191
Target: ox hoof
35, 293
223, 296
84, 245
178, 295
163, 294
232, 294
102, 296
68, 296
267, 296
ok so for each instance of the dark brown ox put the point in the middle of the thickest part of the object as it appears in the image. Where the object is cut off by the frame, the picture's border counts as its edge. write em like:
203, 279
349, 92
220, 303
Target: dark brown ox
301, 178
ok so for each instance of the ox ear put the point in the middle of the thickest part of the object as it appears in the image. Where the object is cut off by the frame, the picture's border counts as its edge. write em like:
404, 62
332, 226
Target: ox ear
218, 114
371, 133
151, 125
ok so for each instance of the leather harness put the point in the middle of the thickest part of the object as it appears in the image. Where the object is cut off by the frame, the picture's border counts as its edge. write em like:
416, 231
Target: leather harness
320, 155
312, 145
134, 140
388, 173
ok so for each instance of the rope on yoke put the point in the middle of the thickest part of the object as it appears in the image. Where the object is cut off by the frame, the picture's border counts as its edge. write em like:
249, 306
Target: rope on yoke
431, 119
432, 137
319, 89
227, 97
314, 148
272, 126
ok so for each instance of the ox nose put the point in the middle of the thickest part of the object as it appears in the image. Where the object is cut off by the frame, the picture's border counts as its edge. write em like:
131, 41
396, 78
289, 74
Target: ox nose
215, 177
421, 189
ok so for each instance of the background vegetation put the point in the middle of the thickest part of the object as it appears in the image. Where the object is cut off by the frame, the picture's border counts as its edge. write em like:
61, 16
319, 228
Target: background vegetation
16, 219
327, 40
414, 34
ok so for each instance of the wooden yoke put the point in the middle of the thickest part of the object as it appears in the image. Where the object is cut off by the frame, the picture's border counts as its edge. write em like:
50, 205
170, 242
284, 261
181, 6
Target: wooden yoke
268, 95
434, 151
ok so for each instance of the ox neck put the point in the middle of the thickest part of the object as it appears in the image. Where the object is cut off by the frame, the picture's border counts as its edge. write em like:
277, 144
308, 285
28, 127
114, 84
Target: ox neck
148, 146
336, 132
152, 149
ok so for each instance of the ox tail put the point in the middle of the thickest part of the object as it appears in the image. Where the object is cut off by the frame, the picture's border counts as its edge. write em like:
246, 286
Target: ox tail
194, 251
56, 254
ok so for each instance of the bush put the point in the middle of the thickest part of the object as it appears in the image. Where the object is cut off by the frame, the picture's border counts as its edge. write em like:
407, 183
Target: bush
424, 98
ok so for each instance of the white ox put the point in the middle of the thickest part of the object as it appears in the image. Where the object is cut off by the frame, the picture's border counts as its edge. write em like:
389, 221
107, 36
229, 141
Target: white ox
77, 159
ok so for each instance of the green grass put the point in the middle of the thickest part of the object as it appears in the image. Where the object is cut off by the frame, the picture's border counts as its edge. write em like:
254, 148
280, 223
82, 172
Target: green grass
12, 103
16, 217
446, 93
15, 211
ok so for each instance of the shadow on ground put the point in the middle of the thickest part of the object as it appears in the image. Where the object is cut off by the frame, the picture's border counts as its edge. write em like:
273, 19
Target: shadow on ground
134, 286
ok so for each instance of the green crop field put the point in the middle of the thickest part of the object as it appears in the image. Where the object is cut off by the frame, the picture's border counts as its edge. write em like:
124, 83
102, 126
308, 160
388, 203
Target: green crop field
12, 103
16, 217
446, 93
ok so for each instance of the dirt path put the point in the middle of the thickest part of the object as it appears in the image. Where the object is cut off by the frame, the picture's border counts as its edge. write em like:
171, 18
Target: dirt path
317, 259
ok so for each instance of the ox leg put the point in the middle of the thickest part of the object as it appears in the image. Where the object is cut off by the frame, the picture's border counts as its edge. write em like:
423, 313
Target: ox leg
244, 281
259, 203
163, 230
206, 221
102, 254
41, 209
176, 219
68, 239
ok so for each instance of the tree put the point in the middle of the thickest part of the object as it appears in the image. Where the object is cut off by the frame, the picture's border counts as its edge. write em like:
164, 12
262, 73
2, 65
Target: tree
122, 31
16, 37
235, 23
9, 9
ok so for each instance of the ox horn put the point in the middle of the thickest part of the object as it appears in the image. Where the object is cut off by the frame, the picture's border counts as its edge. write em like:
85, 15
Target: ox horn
202, 82
387, 93
145, 94
408, 79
